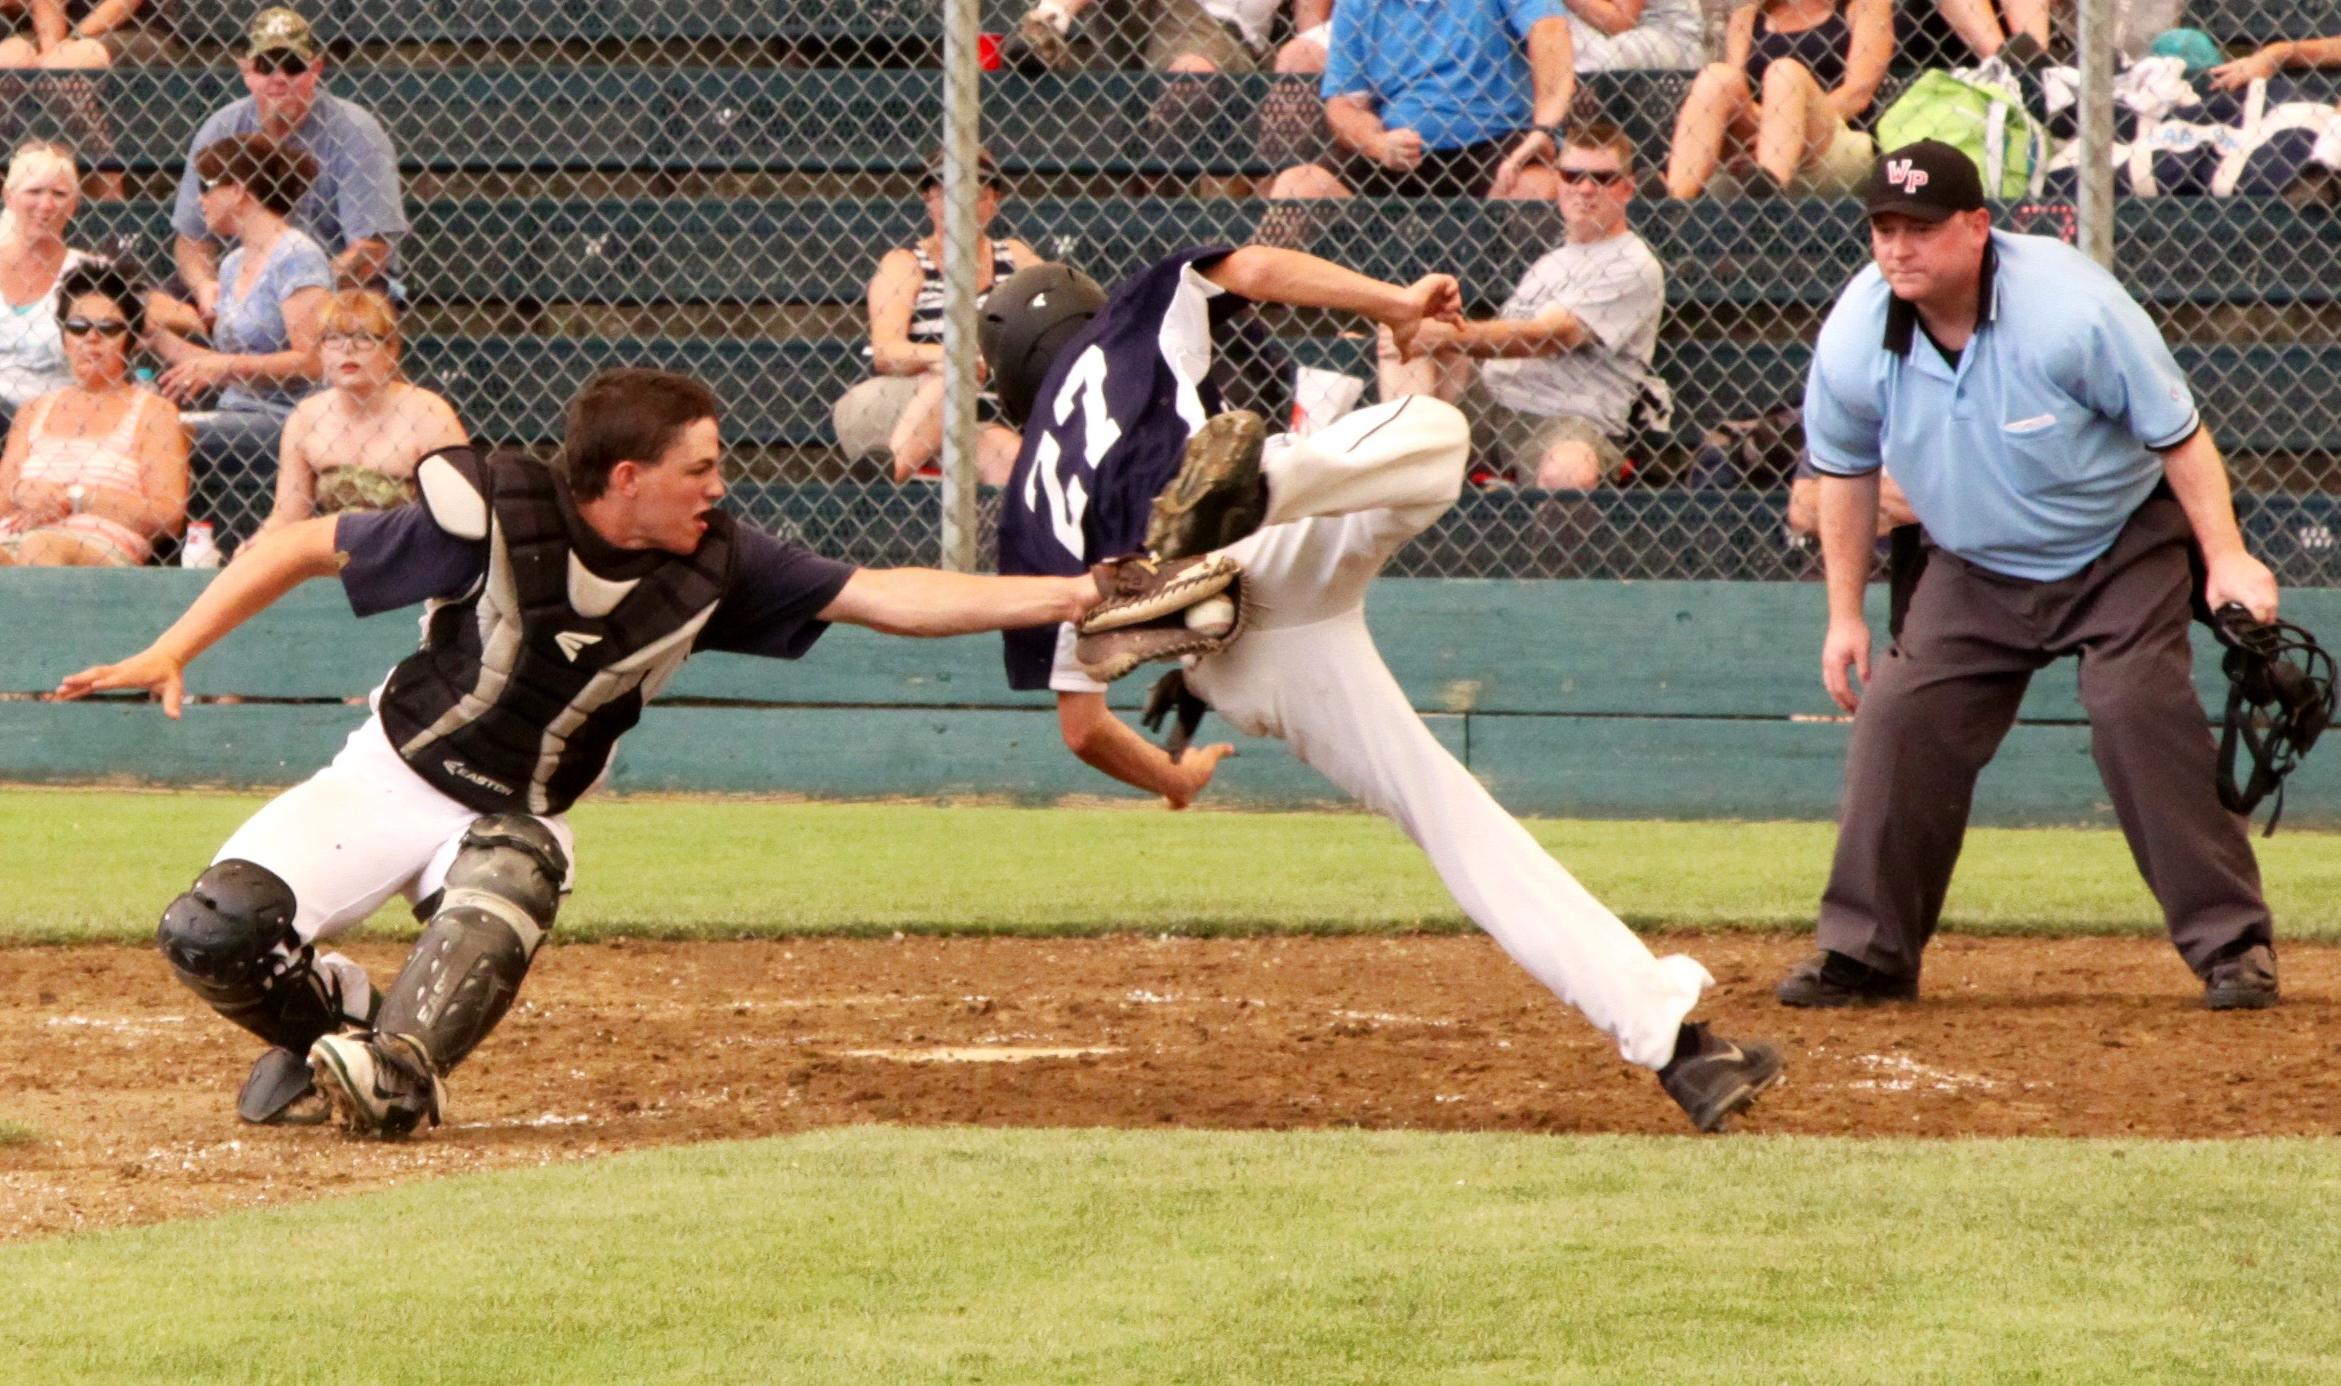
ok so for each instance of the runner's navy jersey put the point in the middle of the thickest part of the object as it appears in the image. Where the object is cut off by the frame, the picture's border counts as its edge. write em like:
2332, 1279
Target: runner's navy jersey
1109, 430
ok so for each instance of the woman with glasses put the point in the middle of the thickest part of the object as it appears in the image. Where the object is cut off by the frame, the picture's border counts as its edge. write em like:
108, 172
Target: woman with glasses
898, 412
94, 473
1796, 77
262, 357
354, 445
41, 192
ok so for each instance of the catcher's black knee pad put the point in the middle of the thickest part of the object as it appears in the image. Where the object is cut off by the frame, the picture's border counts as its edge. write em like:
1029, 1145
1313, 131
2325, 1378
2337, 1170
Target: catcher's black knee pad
220, 936
502, 892
230, 939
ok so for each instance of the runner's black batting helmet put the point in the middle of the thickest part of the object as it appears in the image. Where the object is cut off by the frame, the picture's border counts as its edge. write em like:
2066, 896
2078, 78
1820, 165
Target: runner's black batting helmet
1027, 319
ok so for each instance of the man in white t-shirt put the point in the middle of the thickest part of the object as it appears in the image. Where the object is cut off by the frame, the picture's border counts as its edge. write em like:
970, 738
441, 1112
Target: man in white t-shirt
1564, 383
1621, 35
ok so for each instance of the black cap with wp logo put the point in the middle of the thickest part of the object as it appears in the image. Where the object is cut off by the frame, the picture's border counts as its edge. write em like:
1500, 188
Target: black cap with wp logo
1929, 180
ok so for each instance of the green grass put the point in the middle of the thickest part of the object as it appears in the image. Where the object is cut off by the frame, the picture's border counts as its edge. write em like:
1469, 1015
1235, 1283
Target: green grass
16, 1133
880, 1255
87, 865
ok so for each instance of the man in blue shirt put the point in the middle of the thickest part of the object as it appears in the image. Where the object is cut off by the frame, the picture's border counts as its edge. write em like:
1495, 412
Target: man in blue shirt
353, 209
1442, 98
2066, 490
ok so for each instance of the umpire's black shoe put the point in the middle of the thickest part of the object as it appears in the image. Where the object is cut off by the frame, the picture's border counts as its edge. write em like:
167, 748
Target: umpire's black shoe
1219, 495
1833, 979
1713, 1079
2242, 981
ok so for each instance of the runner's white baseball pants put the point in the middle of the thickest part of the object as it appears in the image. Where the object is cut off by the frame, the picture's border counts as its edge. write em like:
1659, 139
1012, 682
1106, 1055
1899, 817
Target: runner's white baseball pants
1341, 502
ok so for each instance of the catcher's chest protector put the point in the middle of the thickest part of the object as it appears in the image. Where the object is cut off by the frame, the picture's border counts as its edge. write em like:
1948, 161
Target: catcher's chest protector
523, 687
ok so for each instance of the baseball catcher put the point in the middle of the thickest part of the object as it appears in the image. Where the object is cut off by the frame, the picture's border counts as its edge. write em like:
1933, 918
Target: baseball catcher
561, 599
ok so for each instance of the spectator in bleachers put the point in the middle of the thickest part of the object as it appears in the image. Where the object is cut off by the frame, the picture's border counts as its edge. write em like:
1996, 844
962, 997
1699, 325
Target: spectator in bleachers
898, 412
41, 192
1453, 98
1564, 383
81, 34
1311, 43
1796, 76
354, 444
1621, 35
2274, 58
1804, 503
262, 323
1159, 35
78, 35
1292, 116
1958, 33
352, 207
93, 473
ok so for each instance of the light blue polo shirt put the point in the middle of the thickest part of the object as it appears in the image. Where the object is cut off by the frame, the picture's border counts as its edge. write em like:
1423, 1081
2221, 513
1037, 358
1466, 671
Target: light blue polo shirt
2032, 455
1453, 71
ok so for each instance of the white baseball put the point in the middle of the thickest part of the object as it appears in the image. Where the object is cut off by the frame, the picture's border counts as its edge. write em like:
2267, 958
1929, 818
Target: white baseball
1211, 613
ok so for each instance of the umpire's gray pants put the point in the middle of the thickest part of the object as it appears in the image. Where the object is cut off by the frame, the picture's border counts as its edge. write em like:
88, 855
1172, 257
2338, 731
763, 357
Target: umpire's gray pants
1943, 696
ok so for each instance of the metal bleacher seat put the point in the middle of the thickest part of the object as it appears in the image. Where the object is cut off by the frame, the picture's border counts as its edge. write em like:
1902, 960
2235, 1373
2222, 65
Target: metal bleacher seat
822, 250
537, 116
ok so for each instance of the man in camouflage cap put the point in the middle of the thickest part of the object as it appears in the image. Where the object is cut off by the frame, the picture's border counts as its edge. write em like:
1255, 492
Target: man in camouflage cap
353, 210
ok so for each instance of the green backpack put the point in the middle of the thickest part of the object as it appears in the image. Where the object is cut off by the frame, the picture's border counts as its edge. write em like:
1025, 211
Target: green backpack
1977, 112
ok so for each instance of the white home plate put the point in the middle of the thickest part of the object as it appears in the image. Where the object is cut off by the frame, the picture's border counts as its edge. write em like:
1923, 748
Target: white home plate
979, 1054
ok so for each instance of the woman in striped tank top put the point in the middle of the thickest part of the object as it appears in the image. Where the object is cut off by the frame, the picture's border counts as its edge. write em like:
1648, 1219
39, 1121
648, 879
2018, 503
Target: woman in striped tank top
899, 410
92, 474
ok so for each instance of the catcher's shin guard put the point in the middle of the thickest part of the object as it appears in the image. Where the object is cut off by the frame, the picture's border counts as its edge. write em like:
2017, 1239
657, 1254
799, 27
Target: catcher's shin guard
230, 940
502, 892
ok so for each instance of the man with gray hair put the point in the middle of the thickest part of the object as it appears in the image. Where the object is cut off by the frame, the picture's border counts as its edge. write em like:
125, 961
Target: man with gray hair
353, 208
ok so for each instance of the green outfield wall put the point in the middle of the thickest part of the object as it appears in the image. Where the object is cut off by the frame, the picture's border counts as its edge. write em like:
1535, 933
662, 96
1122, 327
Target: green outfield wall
1576, 698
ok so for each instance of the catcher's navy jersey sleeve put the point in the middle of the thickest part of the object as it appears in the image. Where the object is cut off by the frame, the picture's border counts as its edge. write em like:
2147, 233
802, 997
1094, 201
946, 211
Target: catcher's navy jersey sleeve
1108, 431
399, 557
778, 588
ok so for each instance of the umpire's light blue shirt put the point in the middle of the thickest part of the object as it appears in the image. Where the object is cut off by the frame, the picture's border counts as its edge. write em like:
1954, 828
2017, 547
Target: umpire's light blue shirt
2031, 456
1453, 71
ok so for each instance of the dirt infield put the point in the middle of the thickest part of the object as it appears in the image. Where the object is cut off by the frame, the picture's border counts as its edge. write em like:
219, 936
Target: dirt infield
128, 1082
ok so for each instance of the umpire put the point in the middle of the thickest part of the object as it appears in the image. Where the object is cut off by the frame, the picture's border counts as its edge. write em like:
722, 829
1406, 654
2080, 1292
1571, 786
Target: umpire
2064, 486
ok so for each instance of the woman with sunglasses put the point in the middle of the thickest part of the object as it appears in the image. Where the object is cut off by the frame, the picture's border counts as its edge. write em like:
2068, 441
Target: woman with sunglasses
41, 193
262, 357
1796, 77
354, 445
94, 473
352, 207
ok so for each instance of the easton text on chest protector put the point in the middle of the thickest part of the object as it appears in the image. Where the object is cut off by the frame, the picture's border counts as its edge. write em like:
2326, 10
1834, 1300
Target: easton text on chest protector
524, 685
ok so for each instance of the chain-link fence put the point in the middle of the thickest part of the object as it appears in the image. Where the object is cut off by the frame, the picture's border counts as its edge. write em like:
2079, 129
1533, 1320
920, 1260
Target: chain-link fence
745, 190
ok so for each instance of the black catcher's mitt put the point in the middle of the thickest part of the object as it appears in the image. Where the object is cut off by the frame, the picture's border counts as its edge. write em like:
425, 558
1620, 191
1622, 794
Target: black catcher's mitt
2280, 697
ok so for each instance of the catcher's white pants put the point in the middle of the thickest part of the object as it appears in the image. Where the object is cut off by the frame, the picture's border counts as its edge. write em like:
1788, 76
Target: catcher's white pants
1340, 504
360, 830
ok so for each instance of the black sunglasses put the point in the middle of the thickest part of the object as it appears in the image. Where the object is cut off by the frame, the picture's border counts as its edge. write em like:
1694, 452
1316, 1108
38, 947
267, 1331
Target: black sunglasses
1606, 177
108, 328
269, 64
